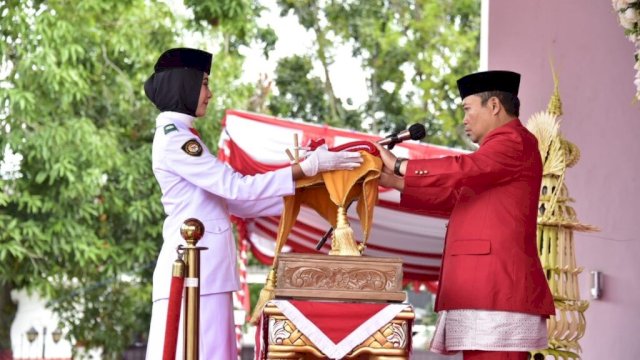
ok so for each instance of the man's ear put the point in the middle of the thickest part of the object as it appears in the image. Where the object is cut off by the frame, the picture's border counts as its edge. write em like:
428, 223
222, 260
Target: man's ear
495, 105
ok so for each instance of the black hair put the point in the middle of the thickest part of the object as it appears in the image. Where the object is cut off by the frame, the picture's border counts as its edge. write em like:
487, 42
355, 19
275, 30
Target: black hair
510, 102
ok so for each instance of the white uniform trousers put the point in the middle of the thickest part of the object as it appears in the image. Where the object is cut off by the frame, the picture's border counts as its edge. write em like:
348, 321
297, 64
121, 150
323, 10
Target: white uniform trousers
217, 329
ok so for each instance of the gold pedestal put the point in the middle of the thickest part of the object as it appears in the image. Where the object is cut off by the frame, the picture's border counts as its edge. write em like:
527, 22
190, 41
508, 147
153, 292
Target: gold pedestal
285, 341
352, 278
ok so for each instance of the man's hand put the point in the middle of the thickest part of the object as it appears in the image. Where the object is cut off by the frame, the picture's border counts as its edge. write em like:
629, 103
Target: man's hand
322, 160
388, 159
387, 177
391, 181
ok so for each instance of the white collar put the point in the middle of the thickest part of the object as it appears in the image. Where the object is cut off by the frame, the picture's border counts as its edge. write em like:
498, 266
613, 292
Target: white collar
172, 117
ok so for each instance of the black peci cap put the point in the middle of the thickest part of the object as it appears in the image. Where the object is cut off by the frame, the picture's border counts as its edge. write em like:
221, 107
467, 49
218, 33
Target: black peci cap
184, 58
496, 80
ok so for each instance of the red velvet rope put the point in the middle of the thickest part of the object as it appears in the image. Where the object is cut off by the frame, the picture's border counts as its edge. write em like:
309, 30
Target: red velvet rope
173, 318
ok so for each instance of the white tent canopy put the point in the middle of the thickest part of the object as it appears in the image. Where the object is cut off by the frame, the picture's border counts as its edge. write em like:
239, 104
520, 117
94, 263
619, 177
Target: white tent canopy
253, 143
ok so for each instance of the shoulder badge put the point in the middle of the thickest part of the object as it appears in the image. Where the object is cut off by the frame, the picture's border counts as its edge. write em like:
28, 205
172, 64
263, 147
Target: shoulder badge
169, 128
192, 147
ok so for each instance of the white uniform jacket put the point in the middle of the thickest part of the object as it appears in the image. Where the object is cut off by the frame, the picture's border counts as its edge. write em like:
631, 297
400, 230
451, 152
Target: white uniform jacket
195, 184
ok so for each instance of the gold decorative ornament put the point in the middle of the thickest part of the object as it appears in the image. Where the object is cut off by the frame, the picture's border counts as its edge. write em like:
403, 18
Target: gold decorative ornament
556, 223
192, 230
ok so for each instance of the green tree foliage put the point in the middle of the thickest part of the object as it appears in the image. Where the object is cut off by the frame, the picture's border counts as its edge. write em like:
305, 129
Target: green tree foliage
234, 20
230, 24
309, 15
81, 217
301, 95
412, 52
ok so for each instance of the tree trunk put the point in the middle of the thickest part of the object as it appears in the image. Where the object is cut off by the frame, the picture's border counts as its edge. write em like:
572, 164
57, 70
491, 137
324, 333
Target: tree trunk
7, 314
337, 116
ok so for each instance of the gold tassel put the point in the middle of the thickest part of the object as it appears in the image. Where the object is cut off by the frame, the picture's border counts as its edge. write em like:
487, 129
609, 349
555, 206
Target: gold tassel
343, 242
267, 293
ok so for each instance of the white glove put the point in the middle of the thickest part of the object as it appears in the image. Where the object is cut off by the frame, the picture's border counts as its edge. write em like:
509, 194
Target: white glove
324, 160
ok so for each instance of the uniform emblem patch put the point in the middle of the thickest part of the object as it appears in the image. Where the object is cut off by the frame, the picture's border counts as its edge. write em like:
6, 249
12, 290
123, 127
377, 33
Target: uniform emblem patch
169, 128
192, 147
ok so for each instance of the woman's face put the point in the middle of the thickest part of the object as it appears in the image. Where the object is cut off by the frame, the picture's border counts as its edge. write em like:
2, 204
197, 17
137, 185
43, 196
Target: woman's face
205, 95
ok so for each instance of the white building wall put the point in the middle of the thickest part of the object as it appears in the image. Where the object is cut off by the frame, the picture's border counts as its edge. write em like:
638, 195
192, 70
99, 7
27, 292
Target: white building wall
32, 312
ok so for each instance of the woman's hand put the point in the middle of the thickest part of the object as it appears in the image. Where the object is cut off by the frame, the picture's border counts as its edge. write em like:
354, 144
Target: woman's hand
322, 159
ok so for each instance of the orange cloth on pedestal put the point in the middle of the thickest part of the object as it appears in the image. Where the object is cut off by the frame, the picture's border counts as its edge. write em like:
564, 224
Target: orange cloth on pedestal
327, 191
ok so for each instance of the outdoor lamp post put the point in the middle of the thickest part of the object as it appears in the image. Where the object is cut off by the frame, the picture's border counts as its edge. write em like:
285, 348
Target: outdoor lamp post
56, 335
32, 335
44, 341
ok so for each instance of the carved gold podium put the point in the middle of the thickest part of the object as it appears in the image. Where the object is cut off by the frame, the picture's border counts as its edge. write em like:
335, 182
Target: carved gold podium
338, 280
350, 278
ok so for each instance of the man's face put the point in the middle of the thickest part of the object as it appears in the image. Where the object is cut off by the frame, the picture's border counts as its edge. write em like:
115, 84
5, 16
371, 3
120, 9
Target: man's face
477, 118
205, 95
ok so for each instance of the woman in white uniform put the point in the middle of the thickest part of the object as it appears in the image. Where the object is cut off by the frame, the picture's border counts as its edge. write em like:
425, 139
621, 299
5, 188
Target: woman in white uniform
195, 184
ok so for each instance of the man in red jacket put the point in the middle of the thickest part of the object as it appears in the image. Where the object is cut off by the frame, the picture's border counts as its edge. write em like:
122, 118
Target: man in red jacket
493, 298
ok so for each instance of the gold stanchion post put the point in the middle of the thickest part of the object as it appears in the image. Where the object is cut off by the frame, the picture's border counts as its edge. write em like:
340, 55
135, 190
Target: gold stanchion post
192, 231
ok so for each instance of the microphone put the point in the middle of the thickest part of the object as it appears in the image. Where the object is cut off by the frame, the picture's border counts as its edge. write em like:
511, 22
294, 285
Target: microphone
414, 132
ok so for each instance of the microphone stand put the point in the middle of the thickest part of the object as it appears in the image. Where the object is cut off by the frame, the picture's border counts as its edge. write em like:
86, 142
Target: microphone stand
324, 238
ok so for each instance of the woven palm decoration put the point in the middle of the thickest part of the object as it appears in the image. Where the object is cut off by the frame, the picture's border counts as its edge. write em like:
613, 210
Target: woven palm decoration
556, 223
